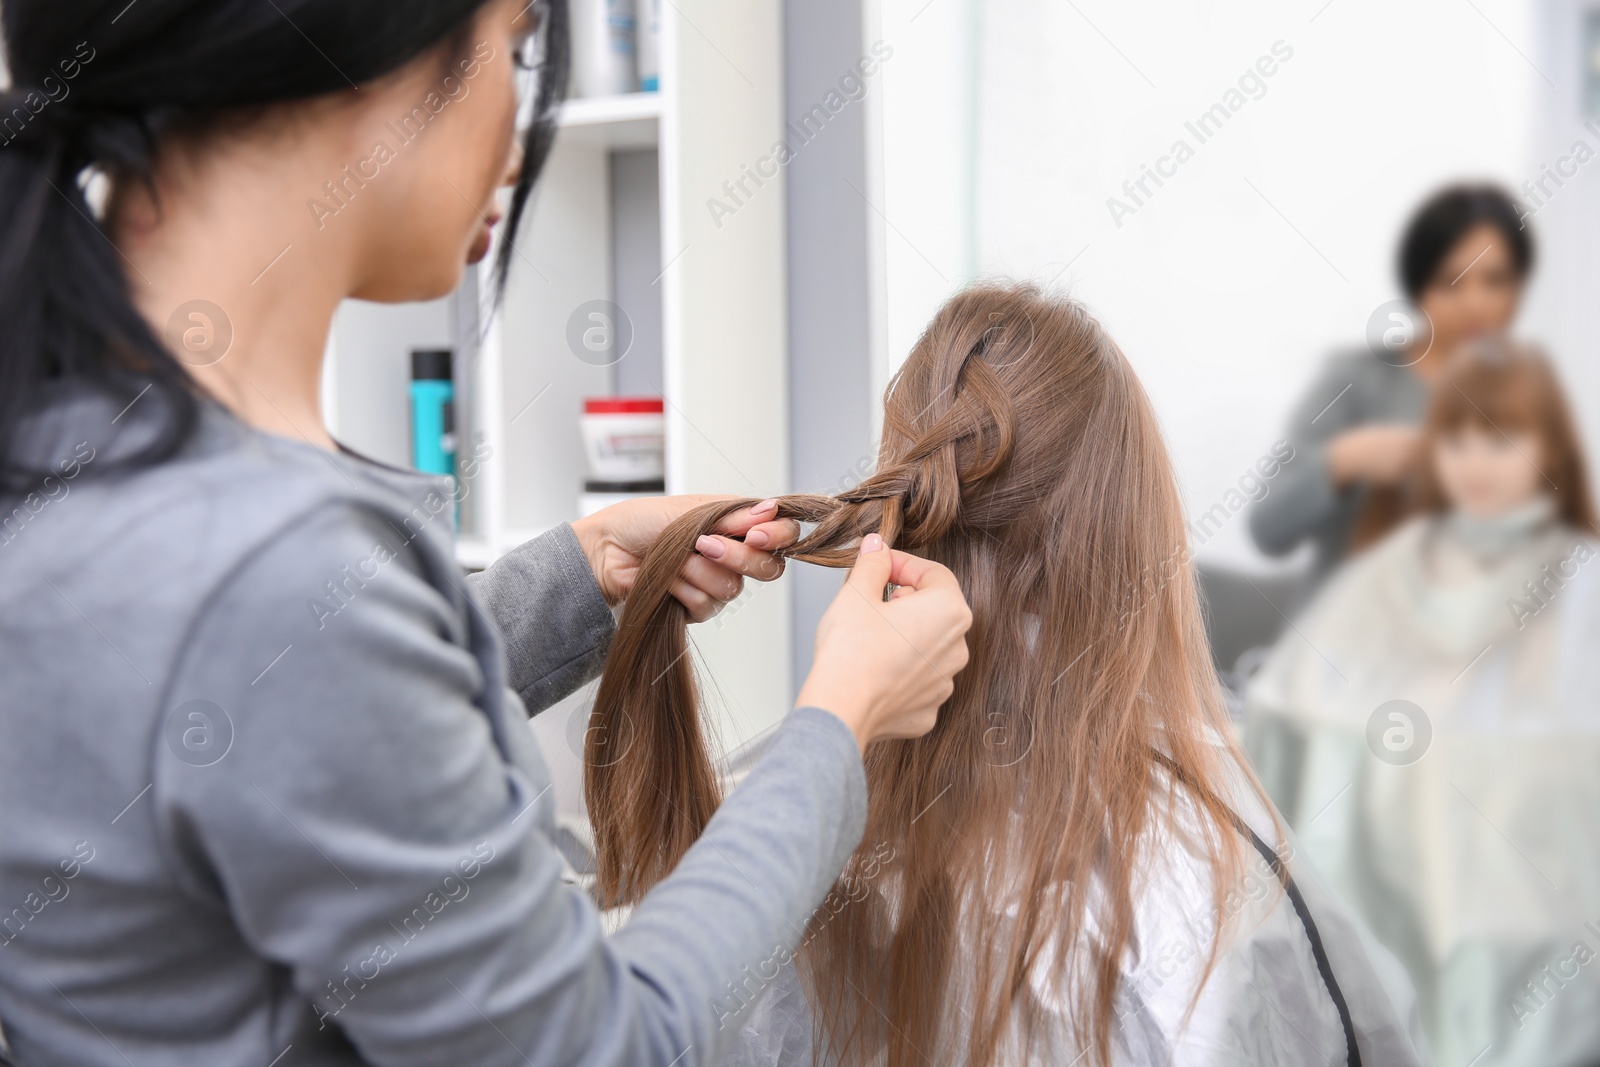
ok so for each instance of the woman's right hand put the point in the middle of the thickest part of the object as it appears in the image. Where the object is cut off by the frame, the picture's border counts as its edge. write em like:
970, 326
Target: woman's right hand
1380, 454
885, 667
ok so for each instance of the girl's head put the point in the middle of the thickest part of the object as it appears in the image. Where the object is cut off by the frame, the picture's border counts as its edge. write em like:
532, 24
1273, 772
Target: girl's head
406, 110
1464, 259
1020, 451
1499, 433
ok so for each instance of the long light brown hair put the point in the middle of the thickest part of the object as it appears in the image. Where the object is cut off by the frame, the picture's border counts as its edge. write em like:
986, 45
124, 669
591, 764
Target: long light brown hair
1500, 386
1020, 451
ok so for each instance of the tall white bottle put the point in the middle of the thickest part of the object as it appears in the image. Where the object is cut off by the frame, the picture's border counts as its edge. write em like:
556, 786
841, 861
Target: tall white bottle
648, 22
603, 47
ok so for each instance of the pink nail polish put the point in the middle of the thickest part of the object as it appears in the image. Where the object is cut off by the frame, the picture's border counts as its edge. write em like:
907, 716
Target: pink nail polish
757, 539
765, 505
710, 547
871, 543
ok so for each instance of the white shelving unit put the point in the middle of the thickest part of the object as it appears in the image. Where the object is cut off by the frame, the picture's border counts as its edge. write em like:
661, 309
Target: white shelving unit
631, 121
719, 294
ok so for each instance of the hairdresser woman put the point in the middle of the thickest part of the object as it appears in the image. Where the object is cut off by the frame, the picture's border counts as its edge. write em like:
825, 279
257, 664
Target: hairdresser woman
1464, 259
237, 830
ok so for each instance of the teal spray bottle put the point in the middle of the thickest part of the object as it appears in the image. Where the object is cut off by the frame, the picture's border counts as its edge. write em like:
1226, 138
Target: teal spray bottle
433, 396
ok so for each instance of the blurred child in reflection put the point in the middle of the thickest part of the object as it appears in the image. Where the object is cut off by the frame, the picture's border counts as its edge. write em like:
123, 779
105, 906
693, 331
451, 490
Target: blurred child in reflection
1431, 728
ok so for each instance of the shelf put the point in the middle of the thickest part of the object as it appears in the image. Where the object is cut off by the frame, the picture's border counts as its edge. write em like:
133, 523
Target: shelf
474, 553
477, 553
628, 121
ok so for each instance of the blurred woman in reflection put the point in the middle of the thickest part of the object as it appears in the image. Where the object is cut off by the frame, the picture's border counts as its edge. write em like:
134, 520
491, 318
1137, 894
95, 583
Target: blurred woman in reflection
1464, 259
1430, 728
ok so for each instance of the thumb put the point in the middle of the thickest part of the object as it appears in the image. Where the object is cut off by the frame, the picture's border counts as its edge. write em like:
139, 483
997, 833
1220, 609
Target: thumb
872, 568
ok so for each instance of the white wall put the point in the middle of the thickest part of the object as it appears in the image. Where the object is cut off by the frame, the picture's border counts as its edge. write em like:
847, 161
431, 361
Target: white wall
1273, 244
921, 137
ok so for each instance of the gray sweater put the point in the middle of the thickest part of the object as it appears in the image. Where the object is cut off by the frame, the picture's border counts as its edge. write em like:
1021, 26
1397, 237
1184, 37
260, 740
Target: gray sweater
268, 795
1354, 389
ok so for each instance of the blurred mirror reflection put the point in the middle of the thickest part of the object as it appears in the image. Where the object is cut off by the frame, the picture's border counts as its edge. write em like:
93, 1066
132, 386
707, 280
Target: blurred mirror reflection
1348, 247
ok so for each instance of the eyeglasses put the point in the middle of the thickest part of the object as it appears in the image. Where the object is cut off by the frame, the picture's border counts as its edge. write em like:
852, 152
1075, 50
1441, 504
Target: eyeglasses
529, 24
527, 55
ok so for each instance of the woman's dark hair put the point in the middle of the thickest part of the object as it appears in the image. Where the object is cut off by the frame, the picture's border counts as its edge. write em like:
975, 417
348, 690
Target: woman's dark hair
1445, 217
94, 84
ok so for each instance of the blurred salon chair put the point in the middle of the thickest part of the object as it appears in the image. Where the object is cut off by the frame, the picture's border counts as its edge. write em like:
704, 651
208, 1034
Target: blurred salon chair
1244, 615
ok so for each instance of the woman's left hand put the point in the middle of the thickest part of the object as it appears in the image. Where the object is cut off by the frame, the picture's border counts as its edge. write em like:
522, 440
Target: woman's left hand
616, 538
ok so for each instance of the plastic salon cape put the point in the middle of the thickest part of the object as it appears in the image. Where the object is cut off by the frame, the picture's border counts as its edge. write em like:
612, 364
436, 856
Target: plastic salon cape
1477, 862
1265, 1003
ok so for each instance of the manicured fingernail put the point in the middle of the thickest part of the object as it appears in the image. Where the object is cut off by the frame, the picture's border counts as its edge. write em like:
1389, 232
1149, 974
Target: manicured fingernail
871, 543
765, 505
710, 547
757, 538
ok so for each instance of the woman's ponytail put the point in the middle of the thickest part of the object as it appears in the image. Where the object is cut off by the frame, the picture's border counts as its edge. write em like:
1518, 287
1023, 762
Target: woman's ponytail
64, 296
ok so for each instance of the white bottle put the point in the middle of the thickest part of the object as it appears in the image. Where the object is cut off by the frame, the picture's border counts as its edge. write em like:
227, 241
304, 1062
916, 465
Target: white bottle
603, 47
648, 22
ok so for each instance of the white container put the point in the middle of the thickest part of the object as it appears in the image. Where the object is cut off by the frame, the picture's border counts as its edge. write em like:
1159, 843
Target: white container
624, 439
647, 20
603, 47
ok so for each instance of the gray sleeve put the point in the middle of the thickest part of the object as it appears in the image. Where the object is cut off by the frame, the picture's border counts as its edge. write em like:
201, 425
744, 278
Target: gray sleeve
775, 1030
556, 624
1303, 497
379, 833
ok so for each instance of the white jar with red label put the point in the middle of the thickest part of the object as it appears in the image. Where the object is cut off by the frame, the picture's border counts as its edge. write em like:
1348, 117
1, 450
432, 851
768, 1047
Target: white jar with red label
624, 439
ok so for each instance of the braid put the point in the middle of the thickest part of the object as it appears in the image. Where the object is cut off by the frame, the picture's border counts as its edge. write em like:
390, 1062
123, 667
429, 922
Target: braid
648, 779
649, 782
964, 446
